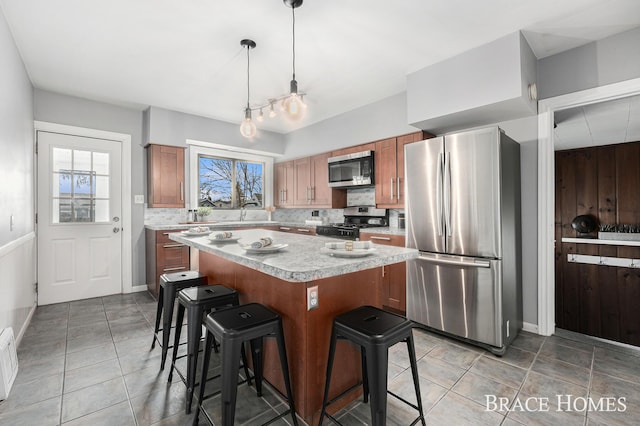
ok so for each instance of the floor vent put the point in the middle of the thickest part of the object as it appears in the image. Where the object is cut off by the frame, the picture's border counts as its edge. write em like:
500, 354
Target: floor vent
8, 362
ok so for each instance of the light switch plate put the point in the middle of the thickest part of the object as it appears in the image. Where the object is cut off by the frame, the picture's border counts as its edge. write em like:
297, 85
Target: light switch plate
138, 199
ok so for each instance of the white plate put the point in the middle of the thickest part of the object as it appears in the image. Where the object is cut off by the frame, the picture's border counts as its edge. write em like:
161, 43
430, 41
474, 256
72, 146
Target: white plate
222, 240
345, 253
195, 234
268, 249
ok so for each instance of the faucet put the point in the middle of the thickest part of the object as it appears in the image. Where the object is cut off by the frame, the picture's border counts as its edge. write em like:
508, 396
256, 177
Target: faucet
243, 213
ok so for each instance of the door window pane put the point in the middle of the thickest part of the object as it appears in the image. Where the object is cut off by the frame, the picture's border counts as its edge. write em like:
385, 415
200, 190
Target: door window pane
79, 190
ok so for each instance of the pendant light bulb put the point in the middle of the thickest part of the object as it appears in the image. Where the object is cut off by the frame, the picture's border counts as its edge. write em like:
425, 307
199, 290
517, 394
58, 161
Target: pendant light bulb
272, 112
292, 104
260, 116
248, 127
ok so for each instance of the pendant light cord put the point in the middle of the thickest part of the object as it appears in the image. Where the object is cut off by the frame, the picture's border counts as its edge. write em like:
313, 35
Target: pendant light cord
248, 76
293, 12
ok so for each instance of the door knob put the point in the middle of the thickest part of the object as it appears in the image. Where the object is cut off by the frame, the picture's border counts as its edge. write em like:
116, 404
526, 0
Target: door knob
116, 230
116, 219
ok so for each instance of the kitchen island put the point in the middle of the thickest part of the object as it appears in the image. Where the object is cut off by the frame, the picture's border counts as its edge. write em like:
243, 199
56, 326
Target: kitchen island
280, 281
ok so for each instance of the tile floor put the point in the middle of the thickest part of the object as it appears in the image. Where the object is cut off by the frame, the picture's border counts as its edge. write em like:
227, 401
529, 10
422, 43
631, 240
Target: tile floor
88, 363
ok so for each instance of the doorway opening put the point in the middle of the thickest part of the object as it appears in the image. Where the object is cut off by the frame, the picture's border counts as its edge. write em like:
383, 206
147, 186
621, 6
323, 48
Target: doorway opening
546, 186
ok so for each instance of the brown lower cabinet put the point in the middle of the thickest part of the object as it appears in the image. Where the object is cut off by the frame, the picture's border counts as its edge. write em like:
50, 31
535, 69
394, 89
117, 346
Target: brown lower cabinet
164, 256
394, 276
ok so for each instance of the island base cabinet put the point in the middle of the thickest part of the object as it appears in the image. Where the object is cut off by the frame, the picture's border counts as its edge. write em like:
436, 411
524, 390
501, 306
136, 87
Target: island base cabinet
307, 333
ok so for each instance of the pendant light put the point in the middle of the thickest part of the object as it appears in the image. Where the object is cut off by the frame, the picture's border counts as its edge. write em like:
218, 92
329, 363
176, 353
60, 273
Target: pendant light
248, 127
293, 104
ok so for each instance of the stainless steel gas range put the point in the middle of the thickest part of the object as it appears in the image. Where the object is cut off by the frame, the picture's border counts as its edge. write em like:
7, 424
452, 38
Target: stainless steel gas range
355, 218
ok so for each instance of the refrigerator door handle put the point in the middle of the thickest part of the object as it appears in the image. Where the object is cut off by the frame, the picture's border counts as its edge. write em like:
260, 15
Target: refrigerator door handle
456, 262
447, 193
439, 193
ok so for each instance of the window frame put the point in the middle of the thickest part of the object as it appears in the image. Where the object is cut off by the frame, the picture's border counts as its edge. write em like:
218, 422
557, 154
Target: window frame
196, 149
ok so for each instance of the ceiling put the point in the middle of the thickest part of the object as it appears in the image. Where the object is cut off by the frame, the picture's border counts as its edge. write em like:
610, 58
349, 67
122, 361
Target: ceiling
603, 123
186, 56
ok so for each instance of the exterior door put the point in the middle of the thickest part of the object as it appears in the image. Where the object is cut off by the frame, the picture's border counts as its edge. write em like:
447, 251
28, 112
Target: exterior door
79, 209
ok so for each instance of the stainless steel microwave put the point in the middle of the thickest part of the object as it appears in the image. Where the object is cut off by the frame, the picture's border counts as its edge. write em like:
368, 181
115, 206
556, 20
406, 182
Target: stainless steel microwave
351, 169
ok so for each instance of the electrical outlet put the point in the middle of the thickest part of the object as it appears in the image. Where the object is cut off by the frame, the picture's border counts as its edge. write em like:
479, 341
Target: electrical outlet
138, 199
312, 297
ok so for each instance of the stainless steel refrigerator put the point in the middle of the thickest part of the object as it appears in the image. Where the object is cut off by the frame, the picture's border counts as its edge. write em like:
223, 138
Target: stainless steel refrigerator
462, 194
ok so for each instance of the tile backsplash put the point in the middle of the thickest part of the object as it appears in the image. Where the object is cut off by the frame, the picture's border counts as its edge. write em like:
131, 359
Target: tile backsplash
355, 197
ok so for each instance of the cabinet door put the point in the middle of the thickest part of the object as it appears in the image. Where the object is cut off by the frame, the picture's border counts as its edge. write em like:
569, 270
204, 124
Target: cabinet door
386, 177
401, 141
283, 184
165, 176
301, 182
320, 190
394, 276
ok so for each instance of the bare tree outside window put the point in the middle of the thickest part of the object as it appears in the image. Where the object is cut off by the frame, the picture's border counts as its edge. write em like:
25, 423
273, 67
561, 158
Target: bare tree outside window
227, 183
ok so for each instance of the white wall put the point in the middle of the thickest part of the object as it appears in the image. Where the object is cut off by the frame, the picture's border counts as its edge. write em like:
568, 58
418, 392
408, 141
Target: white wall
17, 245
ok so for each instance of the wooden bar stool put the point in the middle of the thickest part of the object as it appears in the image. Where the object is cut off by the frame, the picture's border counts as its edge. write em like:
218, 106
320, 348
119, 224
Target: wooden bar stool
198, 301
170, 284
375, 331
232, 327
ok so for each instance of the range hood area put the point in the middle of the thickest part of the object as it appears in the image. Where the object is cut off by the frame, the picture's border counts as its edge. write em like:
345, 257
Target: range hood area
489, 84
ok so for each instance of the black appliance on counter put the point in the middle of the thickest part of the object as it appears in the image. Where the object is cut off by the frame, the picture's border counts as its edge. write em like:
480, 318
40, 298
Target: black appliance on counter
355, 218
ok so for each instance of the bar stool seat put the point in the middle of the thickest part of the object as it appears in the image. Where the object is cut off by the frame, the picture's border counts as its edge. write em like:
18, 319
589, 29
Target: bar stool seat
375, 331
170, 284
198, 301
232, 327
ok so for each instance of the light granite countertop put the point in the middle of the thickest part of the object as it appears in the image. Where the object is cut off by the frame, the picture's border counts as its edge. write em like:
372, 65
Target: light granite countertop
301, 260
383, 230
223, 225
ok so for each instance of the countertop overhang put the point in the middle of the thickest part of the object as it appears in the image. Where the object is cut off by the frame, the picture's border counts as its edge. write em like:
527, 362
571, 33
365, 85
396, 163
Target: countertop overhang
301, 260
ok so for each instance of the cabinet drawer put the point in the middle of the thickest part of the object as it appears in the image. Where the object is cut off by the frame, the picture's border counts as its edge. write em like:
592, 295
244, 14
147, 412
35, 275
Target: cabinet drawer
172, 255
386, 239
163, 236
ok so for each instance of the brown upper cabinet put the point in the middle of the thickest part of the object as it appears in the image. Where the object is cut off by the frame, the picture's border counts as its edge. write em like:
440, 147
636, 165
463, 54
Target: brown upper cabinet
165, 176
304, 182
389, 169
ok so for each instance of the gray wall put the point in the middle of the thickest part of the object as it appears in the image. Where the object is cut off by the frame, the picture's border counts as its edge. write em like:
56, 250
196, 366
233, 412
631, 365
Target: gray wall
174, 128
610, 60
72, 111
17, 291
378, 120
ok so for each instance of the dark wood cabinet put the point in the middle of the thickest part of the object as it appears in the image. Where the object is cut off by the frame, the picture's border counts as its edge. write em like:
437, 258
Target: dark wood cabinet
164, 256
597, 299
389, 169
370, 146
294, 229
394, 276
165, 176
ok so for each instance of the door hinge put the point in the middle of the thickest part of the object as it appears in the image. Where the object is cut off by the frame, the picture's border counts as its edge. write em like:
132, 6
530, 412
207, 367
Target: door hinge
36, 148
36, 218
36, 285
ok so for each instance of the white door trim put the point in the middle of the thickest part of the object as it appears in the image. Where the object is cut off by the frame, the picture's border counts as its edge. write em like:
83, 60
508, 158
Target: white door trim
125, 140
546, 187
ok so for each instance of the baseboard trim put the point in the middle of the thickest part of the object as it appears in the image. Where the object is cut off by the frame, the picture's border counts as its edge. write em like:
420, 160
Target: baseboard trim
26, 324
531, 328
137, 288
